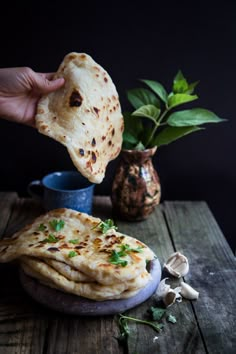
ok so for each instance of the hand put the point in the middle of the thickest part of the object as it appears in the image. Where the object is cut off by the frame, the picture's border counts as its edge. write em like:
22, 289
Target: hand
20, 91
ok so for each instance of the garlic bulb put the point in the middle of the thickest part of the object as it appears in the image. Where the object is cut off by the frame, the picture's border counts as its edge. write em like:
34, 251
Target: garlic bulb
177, 265
188, 292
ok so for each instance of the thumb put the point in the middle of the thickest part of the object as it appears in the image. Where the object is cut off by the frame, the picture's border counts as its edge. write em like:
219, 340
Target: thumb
43, 85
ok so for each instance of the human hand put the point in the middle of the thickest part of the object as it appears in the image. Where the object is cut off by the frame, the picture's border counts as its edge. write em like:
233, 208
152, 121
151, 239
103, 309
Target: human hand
20, 91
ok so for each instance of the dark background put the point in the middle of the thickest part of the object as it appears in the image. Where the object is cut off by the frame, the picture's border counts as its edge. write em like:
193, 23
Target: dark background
151, 40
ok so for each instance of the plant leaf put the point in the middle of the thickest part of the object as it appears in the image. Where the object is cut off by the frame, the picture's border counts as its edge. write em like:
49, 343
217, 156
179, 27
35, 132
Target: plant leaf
191, 87
180, 98
129, 138
180, 84
148, 111
157, 88
170, 134
171, 319
139, 146
157, 313
141, 96
195, 116
133, 125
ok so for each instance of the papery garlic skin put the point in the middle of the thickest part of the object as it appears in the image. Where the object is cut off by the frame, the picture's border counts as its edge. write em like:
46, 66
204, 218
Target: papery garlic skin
162, 289
177, 265
168, 295
188, 292
171, 296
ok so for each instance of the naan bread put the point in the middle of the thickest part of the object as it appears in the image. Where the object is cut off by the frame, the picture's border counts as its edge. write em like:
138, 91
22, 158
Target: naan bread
44, 281
93, 249
84, 115
69, 272
90, 290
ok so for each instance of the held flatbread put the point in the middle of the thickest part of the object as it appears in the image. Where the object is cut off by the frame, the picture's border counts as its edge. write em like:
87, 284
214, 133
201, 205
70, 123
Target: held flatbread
84, 115
80, 244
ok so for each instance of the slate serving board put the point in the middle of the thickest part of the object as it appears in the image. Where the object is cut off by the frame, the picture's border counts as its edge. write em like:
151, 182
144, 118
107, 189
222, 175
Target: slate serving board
76, 305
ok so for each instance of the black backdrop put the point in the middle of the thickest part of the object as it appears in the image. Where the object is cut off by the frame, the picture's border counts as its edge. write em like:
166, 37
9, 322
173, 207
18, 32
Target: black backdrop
150, 40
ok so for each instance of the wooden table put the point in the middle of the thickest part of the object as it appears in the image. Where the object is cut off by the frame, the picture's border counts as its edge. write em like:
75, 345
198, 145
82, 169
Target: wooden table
207, 325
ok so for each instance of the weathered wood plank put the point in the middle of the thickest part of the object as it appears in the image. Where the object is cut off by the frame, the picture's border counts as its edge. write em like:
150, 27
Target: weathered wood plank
23, 323
212, 271
83, 335
183, 337
7, 200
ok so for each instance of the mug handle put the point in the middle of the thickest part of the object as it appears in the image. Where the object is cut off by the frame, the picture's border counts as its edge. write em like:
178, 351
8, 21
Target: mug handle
35, 189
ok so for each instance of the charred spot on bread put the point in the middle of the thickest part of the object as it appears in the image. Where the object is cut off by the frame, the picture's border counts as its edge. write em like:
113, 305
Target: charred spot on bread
75, 99
94, 157
96, 110
81, 151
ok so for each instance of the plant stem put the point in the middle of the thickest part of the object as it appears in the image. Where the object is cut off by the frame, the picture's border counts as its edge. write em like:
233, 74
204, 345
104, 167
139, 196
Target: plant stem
153, 325
156, 126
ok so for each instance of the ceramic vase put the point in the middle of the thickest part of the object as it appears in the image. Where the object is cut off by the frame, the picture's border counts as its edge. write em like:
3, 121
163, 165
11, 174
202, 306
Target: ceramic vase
136, 188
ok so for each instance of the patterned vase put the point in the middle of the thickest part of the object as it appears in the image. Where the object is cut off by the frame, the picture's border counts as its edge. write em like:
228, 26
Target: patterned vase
136, 187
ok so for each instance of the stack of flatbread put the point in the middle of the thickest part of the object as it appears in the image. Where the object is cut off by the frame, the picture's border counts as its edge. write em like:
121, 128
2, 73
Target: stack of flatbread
70, 251
84, 115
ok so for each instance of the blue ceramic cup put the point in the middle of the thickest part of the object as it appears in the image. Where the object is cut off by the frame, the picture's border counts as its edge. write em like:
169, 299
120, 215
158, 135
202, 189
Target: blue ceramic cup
64, 189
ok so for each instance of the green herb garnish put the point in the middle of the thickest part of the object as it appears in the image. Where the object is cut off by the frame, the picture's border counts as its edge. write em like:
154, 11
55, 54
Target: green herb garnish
124, 328
75, 241
51, 239
106, 225
126, 248
157, 313
171, 319
115, 259
42, 227
57, 225
72, 254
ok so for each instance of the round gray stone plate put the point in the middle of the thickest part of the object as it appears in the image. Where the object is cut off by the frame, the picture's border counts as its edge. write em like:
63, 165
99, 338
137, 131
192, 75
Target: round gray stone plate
76, 305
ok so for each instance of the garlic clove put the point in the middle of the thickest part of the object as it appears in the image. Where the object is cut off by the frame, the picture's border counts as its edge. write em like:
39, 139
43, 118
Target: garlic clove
162, 289
188, 292
177, 265
168, 295
171, 296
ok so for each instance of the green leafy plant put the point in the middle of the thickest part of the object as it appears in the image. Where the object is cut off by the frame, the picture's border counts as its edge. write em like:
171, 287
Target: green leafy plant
155, 122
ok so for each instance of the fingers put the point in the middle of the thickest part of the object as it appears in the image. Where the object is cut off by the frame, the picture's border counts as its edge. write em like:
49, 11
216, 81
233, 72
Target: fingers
43, 83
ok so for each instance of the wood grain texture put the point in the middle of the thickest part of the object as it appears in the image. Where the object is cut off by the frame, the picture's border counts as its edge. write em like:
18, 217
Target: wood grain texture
204, 326
22, 326
195, 232
7, 200
183, 337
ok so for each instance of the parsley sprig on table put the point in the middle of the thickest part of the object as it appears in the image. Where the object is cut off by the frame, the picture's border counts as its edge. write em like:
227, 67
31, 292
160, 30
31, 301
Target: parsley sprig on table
115, 257
106, 225
157, 313
124, 327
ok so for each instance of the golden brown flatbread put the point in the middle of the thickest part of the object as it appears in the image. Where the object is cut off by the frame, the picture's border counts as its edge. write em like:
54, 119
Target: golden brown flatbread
80, 243
84, 115
91, 290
